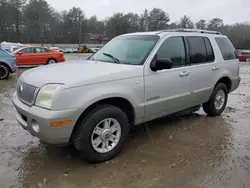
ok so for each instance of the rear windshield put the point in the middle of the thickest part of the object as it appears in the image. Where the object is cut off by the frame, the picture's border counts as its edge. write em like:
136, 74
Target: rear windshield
226, 47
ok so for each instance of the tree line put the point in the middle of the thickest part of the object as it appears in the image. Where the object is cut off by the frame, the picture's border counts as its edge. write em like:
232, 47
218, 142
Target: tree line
35, 21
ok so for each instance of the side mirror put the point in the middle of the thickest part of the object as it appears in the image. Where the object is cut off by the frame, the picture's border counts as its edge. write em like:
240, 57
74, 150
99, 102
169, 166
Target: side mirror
161, 64
19, 53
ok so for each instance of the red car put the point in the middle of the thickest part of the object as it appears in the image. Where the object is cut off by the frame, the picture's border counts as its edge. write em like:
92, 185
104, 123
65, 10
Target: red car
244, 56
37, 56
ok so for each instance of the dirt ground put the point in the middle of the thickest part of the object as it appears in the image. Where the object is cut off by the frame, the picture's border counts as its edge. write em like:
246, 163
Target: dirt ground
185, 151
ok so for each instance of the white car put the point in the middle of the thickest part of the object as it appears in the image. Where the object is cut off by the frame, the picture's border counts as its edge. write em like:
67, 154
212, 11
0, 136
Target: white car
57, 49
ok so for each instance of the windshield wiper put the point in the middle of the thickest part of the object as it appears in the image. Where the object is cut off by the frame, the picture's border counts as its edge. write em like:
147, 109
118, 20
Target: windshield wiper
114, 58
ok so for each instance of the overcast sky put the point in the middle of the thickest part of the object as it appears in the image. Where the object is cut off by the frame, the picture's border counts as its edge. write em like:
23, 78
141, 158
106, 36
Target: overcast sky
231, 11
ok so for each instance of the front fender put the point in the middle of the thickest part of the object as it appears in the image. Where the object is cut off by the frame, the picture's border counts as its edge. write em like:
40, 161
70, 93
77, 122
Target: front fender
82, 97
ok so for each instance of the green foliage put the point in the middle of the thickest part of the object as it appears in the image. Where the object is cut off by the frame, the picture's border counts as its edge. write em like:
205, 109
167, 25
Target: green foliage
186, 22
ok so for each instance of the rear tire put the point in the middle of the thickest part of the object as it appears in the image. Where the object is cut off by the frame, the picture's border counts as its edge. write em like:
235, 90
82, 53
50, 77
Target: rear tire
247, 59
51, 61
4, 71
96, 141
218, 100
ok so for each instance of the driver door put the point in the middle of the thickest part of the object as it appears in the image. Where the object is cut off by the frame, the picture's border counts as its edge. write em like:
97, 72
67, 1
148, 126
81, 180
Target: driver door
168, 91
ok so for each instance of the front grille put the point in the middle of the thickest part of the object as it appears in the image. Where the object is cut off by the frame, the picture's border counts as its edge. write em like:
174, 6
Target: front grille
26, 92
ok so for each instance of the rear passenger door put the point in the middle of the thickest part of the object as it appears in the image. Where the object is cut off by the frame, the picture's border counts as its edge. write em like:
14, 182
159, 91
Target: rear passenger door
203, 68
42, 56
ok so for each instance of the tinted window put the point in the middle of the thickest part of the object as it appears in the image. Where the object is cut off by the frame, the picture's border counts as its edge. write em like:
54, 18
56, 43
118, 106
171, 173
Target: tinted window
197, 48
210, 52
226, 48
130, 49
174, 49
27, 50
41, 50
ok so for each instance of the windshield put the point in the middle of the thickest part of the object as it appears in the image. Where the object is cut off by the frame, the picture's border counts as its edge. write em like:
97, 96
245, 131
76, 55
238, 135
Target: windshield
130, 49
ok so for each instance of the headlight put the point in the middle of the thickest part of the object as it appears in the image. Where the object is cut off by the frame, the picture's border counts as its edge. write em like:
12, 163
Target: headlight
45, 95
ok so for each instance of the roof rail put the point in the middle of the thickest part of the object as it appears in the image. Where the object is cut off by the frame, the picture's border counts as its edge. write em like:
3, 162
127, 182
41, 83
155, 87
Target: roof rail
191, 30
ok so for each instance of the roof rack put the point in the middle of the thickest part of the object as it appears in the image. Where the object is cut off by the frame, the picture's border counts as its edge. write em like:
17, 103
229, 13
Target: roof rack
191, 30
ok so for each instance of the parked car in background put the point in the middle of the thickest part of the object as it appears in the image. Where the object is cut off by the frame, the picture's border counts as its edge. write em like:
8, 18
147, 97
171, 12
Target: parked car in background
11, 46
37, 56
133, 79
67, 50
94, 50
7, 64
84, 49
70, 50
244, 56
14, 48
57, 49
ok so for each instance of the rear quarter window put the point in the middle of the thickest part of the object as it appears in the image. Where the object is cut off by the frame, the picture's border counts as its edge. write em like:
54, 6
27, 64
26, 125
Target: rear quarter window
226, 47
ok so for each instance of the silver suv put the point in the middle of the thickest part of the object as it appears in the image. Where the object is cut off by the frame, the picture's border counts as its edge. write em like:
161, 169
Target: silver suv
133, 79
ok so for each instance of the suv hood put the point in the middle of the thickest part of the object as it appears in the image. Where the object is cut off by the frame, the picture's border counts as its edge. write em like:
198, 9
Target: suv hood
79, 73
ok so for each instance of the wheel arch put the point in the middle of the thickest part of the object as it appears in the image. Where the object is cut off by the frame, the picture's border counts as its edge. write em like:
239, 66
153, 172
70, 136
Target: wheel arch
122, 103
225, 80
7, 64
51, 58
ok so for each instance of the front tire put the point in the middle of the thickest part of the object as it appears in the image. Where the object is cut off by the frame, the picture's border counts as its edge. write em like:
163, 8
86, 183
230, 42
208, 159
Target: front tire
4, 71
101, 135
247, 59
218, 100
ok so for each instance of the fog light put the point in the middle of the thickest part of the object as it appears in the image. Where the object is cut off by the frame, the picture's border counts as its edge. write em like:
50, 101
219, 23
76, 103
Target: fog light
35, 126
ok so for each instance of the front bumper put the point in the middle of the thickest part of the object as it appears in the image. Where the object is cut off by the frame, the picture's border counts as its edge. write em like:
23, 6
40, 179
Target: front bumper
30, 116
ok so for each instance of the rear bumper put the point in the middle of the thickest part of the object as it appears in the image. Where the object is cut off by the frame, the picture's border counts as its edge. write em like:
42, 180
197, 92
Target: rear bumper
61, 60
235, 83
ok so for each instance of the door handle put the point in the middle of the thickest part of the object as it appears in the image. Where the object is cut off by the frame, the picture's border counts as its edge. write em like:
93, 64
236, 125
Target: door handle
184, 73
216, 68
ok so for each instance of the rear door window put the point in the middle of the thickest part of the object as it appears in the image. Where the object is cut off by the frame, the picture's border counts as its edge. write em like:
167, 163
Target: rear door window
226, 47
41, 50
197, 50
210, 52
200, 50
